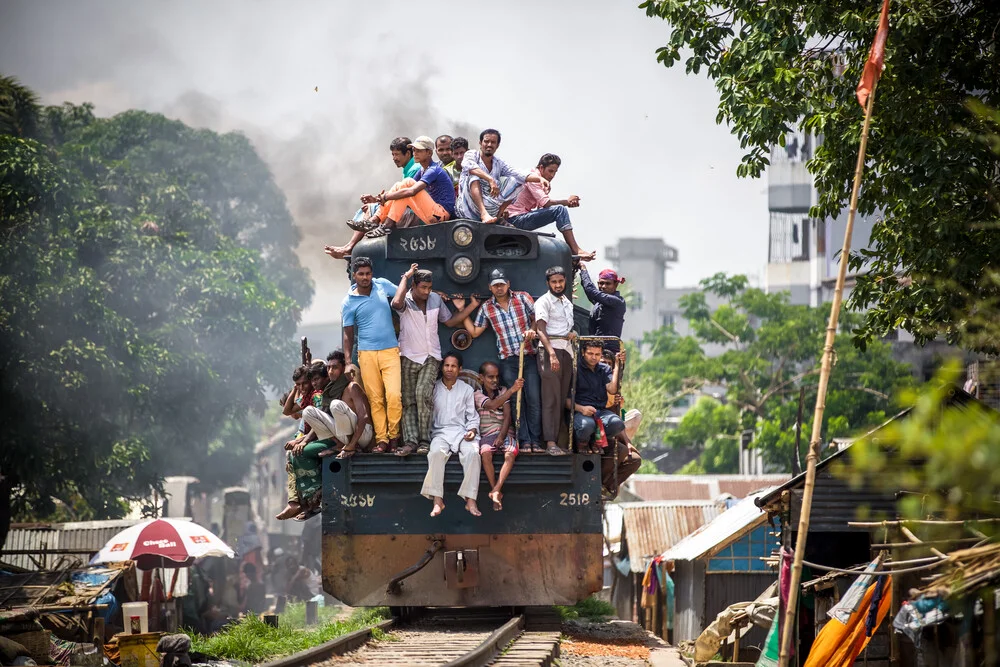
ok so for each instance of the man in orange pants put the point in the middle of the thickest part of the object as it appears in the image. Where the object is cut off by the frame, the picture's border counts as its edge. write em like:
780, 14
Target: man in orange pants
430, 194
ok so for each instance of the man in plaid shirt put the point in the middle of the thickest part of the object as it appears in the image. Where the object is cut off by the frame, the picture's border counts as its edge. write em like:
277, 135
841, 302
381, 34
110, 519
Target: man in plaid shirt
512, 315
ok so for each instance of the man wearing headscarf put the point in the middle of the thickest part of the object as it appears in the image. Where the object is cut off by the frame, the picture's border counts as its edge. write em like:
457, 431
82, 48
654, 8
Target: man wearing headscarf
608, 314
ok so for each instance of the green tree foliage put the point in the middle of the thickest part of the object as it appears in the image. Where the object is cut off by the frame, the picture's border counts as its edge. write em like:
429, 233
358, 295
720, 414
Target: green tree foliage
148, 292
930, 178
771, 353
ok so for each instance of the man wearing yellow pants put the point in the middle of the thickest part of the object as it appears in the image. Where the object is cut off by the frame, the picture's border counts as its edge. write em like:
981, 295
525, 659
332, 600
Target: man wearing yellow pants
366, 306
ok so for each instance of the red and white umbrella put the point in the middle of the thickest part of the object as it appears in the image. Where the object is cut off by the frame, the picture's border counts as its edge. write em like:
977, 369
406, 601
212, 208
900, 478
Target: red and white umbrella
162, 543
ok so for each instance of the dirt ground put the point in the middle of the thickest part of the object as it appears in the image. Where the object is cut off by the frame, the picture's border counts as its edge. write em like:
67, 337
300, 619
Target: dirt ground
611, 644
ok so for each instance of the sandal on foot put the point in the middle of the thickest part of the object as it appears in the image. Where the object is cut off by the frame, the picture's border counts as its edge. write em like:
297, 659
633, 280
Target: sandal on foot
537, 449
379, 232
406, 449
554, 450
346, 453
424, 448
362, 225
380, 448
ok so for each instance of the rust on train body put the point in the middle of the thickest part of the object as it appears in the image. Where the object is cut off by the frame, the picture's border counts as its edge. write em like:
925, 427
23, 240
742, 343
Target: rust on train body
381, 547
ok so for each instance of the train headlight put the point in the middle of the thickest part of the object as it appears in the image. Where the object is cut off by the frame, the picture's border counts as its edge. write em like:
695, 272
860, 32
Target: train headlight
462, 235
462, 266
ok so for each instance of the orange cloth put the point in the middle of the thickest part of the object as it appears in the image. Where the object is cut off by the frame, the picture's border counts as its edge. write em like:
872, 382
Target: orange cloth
839, 645
422, 205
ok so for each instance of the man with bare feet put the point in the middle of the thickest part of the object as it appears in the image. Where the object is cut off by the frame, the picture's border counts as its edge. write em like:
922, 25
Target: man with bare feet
455, 431
496, 432
488, 184
402, 157
533, 208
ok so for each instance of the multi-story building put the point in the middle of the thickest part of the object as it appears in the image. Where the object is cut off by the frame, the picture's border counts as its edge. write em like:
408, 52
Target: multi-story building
645, 262
803, 252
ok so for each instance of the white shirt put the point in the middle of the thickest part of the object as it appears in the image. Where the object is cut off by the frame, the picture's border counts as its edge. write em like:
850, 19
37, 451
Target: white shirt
418, 330
454, 413
558, 316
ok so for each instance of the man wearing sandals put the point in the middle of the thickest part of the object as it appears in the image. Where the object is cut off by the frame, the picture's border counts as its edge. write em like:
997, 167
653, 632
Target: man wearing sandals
496, 434
594, 381
366, 306
455, 431
431, 196
511, 315
420, 311
554, 323
402, 157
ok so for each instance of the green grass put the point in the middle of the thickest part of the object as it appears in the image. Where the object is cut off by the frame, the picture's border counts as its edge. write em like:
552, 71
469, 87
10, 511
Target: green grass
591, 609
295, 614
252, 641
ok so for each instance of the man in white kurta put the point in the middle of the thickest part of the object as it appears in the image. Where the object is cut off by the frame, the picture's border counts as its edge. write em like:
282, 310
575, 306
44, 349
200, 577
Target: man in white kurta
455, 430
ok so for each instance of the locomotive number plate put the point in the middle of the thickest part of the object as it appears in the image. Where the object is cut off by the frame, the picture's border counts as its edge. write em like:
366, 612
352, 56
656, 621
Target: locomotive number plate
572, 499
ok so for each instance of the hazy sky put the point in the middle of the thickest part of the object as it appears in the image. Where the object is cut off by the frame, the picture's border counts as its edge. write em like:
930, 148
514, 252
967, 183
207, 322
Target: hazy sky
639, 142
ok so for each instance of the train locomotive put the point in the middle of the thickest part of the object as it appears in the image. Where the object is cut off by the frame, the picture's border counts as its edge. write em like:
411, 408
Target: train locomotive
381, 547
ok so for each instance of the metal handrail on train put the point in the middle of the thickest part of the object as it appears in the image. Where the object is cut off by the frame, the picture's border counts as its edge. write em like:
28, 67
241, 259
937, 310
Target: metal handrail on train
576, 354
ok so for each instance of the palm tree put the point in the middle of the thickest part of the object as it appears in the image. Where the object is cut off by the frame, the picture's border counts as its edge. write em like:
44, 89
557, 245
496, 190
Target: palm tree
19, 108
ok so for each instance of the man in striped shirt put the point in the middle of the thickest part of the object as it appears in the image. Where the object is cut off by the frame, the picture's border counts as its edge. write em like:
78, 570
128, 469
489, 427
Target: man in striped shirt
511, 315
488, 184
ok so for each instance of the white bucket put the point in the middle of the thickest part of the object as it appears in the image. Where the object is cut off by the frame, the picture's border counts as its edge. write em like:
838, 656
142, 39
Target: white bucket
136, 617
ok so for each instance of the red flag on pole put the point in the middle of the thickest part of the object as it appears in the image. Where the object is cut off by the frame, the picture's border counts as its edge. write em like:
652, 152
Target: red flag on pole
876, 58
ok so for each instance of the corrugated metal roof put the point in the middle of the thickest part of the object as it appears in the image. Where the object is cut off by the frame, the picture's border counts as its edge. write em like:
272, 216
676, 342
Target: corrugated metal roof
42, 537
722, 531
700, 487
652, 527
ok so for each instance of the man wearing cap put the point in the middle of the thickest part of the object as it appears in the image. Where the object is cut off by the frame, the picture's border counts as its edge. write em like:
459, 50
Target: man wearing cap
420, 310
607, 317
554, 323
431, 197
512, 314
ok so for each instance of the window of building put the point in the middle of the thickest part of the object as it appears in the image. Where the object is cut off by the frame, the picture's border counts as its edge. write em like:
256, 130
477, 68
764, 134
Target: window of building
788, 240
745, 554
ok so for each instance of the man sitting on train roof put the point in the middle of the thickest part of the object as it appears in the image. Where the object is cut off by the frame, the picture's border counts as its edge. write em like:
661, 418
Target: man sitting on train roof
402, 157
512, 316
607, 317
533, 208
488, 184
495, 427
366, 306
554, 324
594, 381
455, 430
420, 311
458, 147
431, 196
442, 148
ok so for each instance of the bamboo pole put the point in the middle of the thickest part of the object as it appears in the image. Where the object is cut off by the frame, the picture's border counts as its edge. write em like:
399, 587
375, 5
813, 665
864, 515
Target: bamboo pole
824, 380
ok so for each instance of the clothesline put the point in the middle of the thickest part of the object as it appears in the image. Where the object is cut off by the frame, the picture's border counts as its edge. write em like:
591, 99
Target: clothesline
859, 568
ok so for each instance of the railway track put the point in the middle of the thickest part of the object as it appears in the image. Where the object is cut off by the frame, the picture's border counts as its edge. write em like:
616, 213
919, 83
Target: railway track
460, 638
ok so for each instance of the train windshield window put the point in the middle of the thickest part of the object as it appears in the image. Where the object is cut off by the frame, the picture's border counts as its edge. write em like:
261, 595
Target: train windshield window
499, 245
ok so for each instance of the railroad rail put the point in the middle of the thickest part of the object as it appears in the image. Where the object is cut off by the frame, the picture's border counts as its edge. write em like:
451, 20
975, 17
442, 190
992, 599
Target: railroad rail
457, 638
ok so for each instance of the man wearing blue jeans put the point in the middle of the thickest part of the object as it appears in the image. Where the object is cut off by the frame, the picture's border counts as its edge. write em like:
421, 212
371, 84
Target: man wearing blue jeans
512, 314
533, 208
594, 381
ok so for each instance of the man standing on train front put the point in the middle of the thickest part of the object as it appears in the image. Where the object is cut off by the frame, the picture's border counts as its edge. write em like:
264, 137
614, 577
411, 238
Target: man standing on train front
366, 306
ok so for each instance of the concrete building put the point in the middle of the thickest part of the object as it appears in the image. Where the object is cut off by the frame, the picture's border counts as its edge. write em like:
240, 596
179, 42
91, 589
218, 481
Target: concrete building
644, 262
803, 252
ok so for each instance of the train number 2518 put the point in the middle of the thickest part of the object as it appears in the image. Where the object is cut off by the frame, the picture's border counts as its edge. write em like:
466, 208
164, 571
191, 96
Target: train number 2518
574, 499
